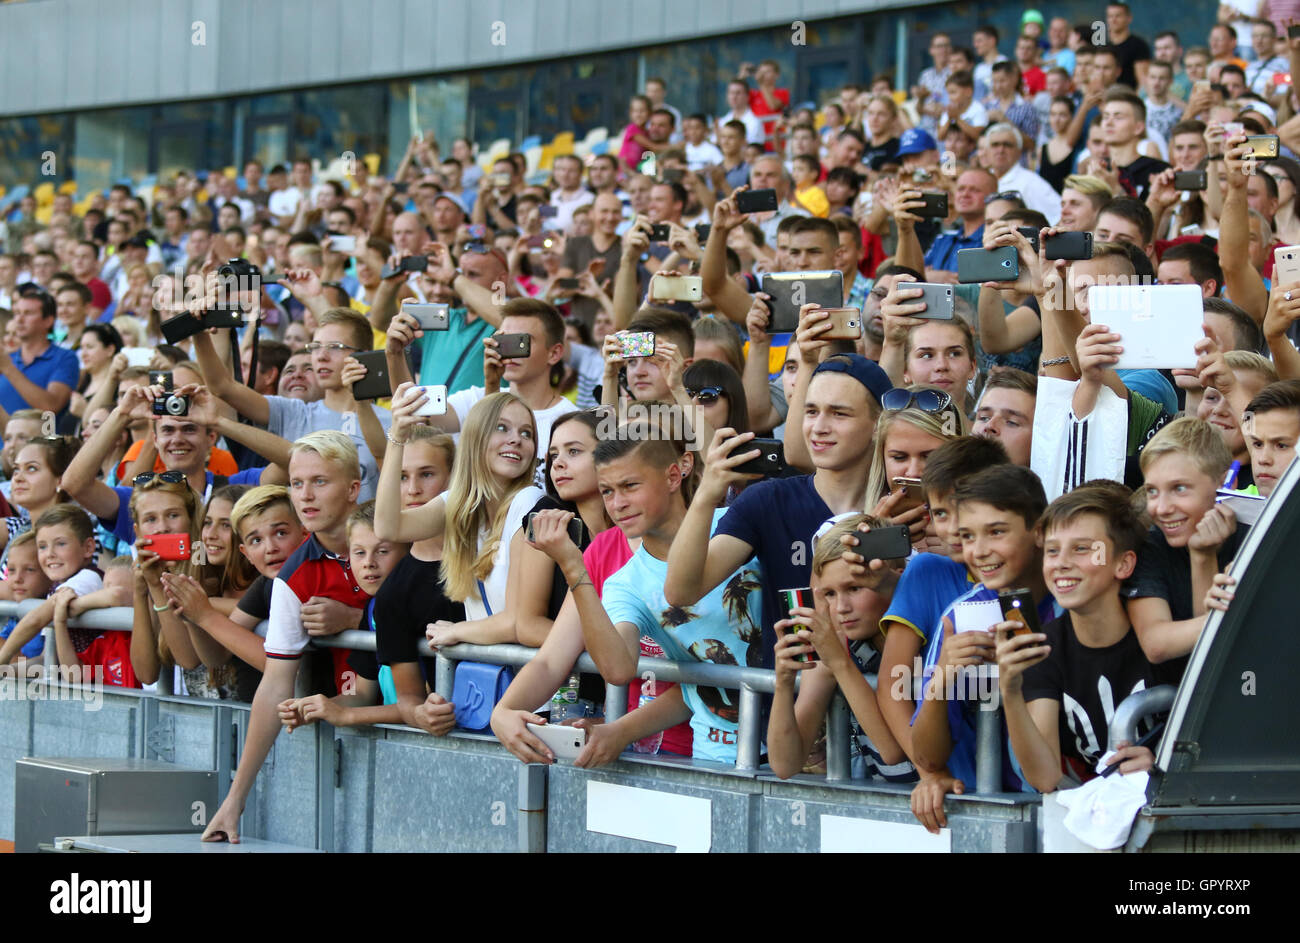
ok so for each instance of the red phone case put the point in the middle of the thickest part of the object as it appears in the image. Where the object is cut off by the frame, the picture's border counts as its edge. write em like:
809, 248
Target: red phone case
175, 547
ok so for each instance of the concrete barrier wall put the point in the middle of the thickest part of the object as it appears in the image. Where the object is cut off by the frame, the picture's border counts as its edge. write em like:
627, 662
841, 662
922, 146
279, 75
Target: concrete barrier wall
397, 789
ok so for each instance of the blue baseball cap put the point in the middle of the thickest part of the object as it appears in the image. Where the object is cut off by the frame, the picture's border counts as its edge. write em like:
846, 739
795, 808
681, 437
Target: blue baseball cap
915, 141
867, 372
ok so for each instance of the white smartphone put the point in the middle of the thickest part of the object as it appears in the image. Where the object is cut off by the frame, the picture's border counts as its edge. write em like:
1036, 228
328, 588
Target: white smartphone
677, 288
1159, 325
1286, 265
437, 402
138, 356
343, 243
565, 742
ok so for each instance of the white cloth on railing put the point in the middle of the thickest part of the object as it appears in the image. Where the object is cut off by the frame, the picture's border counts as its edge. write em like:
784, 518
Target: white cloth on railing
1101, 811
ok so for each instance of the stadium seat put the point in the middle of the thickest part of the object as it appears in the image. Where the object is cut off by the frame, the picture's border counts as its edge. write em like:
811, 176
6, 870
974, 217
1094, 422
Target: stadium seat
563, 143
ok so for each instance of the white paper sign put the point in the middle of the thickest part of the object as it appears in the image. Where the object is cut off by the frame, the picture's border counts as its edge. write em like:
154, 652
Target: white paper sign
681, 822
842, 834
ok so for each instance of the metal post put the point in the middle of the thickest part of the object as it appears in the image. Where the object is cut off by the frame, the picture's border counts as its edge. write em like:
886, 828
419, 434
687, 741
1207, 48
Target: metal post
444, 678
837, 739
615, 702
988, 748
328, 751
749, 735
532, 808
900, 53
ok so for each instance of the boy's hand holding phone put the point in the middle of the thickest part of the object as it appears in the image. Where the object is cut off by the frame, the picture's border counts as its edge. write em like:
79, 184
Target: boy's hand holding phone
1017, 649
727, 451
794, 651
757, 319
407, 399
814, 323
548, 531
493, 366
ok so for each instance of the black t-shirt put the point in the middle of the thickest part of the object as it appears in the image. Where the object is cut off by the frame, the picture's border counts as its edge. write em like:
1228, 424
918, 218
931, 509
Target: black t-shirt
1089, 683
256, 600
408, 601
876, 157
1131, 51
1136, 177
365, 663
1165, 572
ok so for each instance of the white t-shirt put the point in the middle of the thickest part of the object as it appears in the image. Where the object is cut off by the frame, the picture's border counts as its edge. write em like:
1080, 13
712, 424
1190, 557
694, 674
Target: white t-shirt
564, 208
754, 133
462, 402
82, 582
284, 202
495, 584
704, 154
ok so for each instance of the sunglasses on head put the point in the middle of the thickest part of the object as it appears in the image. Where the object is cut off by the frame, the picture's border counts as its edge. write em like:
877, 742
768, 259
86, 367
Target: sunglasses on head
171, 477
705, 394
930, 401
1004, 195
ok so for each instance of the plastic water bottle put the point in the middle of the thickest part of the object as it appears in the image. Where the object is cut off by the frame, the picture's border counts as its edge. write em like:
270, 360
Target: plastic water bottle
651, 743
564, 704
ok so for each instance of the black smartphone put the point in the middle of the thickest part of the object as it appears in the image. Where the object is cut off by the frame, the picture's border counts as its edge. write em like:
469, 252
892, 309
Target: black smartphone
1071, 246
514, 346
885, 543
223, 317
180, 327
936, 205
1190, 180
789, 599
659, 232
673, 175
574, 528
161, 378
1018, 606
413, 263
547, 211
1030, 233
401, 186
702, 231
1293, 31
790, 290
988, 265
769, 462
1263, 146
566, 284
375, 384
756, 201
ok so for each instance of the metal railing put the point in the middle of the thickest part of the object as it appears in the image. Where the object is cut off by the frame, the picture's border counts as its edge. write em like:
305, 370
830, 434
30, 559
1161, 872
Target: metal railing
750, 682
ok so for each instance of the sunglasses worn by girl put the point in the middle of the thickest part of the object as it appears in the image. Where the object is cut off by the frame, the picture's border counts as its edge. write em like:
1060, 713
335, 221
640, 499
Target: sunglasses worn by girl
930, 401
171, 477
706, 395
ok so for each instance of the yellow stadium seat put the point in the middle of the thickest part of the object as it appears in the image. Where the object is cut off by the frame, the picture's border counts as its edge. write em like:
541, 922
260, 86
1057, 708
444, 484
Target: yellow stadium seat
44, 194
563, 143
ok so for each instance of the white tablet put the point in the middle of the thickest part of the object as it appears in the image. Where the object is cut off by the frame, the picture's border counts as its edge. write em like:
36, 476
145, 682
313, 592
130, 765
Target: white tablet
1159, 324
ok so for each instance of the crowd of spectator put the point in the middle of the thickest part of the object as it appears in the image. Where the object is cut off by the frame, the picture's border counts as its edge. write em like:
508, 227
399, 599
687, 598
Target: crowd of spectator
522, 476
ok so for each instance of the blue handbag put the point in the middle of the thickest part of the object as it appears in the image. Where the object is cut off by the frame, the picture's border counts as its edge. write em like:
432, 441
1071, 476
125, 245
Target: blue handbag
479, 686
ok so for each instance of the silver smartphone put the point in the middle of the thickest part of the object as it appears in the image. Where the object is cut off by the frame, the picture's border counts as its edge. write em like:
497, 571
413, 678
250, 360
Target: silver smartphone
430, 317
565, 742
939, 300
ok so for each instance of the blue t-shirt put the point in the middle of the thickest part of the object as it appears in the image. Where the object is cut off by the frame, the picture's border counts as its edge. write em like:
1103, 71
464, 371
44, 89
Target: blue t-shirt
454, 358
927, 587
722, 628
777, 518
962, 712
33, 648
54, 365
